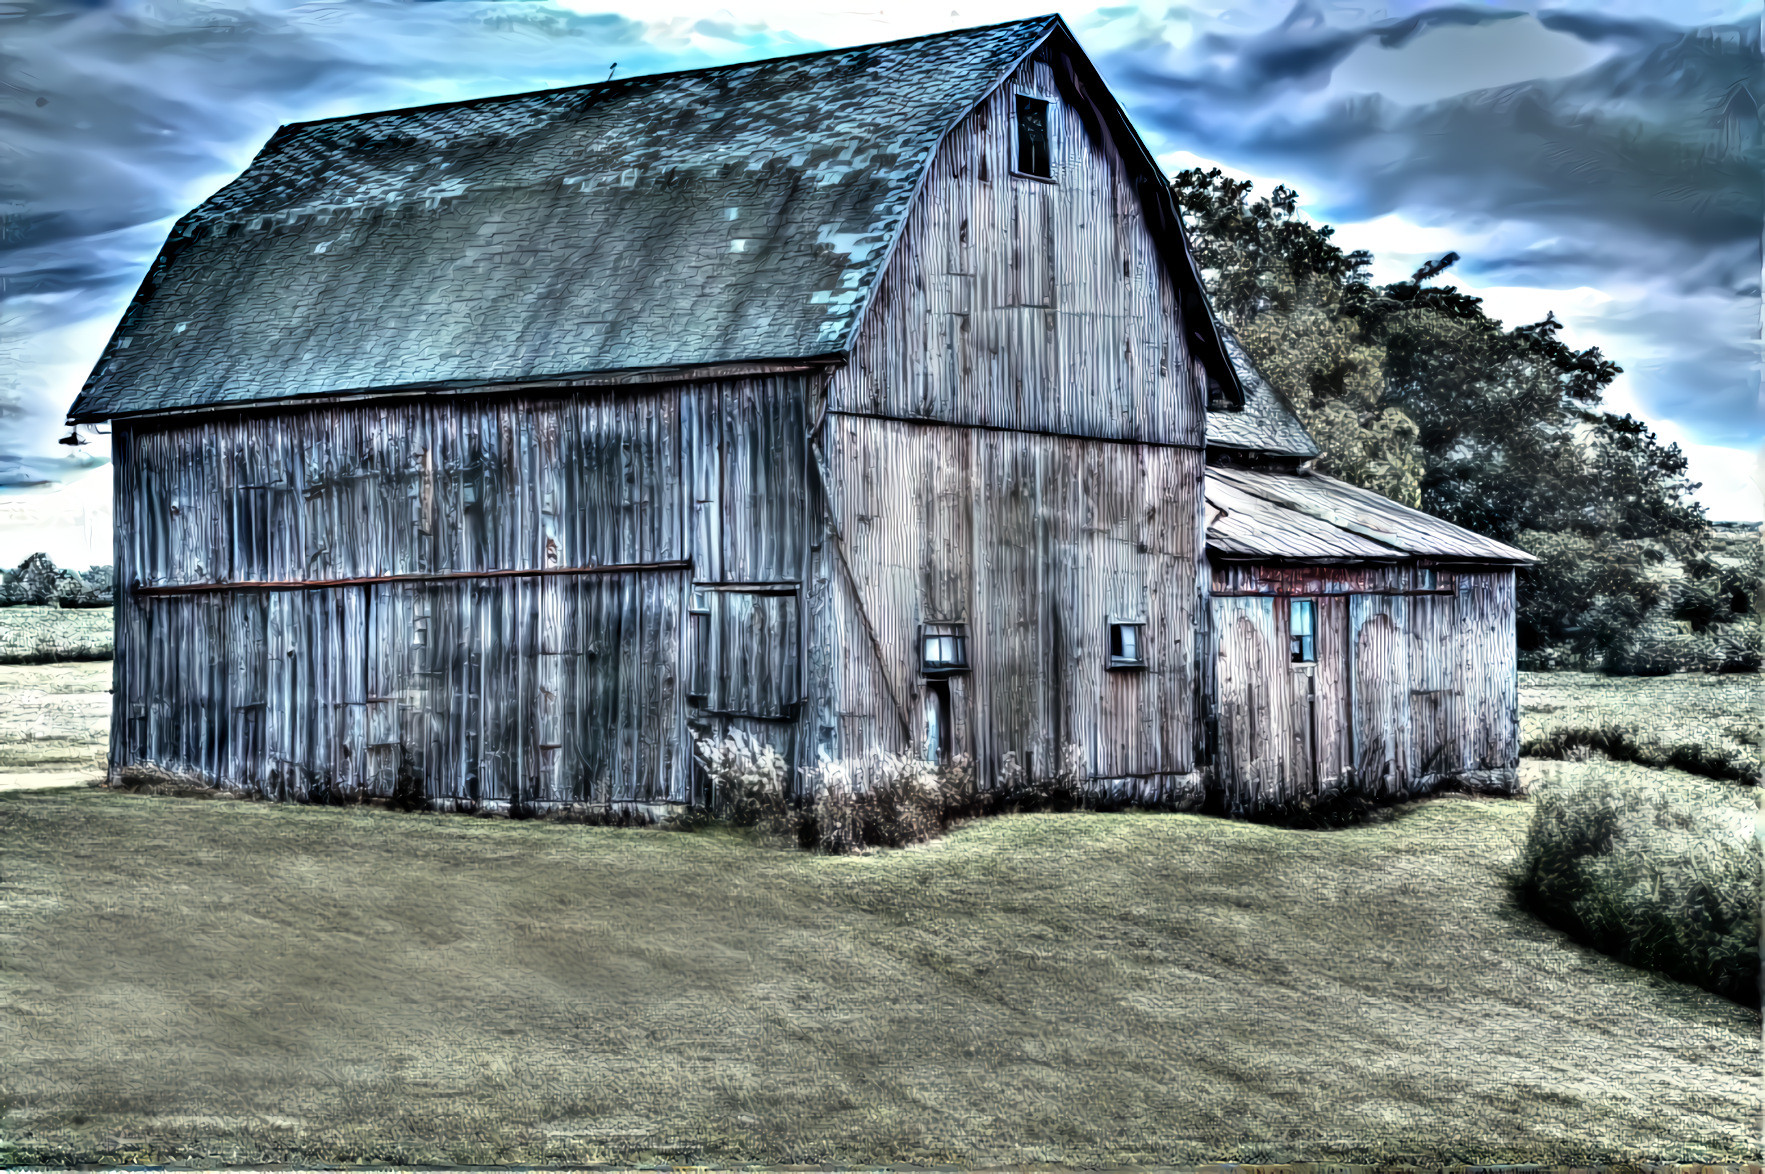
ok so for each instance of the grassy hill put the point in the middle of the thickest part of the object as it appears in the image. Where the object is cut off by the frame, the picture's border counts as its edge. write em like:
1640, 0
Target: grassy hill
240, 982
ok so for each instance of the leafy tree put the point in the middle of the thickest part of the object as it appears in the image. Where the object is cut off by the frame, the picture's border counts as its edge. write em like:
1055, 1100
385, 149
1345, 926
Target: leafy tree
37, 580
1413, 391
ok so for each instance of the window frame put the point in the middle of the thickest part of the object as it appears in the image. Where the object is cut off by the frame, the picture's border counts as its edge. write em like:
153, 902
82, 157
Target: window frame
1118, 658
698, 618
1302, 648
1019, 97
957, 632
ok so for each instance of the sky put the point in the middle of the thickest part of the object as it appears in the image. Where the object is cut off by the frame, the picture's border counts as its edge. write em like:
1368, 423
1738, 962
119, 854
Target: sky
1601, 161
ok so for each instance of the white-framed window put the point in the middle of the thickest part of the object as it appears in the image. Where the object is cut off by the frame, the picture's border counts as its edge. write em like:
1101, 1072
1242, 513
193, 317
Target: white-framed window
937, 721
943, 649
1127, 644
698, 612
1302, 631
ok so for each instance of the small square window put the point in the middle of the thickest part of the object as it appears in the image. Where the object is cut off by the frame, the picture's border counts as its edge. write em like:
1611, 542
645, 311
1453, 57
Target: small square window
943, 648
1127, 648
1426, 580
1302, 631
1032, 137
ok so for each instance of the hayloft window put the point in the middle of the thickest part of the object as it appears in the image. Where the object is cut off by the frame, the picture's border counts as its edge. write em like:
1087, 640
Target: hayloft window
1302, 631
943, 649
1127, 649
1032, 137
1426, 579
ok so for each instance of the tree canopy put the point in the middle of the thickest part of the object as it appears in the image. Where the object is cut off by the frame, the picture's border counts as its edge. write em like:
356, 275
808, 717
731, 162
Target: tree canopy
1413, 391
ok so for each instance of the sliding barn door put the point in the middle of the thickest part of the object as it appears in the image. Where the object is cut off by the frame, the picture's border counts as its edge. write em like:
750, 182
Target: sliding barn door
1251, 670
1380, 691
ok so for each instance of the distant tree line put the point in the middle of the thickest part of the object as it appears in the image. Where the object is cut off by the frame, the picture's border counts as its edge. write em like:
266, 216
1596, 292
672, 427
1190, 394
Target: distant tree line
1412, 390
39, 582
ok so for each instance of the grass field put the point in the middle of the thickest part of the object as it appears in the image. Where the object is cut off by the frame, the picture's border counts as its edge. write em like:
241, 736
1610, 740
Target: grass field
39, 635
230, 981
1715, 718
54, 722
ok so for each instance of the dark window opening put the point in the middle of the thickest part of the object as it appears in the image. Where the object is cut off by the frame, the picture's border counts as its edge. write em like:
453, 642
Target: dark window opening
1032, 136
1302, 631
1426, 580
937, 721
1126, 648
943, 648
699, 615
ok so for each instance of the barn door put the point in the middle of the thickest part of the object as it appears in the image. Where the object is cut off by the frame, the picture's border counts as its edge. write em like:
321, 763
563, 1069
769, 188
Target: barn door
1249, 671
1436, 701
1379, 692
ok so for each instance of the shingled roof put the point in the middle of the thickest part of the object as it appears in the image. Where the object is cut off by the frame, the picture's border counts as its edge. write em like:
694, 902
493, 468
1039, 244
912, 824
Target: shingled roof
738, 214
1265, 424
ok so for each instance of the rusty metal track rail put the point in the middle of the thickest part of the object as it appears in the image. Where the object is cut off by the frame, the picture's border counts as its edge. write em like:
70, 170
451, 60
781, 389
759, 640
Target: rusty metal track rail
433, 577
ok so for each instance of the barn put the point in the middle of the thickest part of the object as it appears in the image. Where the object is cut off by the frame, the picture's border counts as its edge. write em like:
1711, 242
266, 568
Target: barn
489, 452
1352, 642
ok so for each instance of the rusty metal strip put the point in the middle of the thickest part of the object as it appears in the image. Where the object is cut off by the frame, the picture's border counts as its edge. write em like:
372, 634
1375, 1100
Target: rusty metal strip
437, 577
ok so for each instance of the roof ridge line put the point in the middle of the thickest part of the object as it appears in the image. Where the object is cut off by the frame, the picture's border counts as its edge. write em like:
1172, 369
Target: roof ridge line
1052, 17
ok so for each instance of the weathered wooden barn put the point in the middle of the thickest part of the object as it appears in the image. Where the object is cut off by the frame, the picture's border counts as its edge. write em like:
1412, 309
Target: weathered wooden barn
489, 451
1352, 642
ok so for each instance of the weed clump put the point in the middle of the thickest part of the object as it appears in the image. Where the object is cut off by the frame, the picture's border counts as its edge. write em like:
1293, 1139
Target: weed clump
1658, 873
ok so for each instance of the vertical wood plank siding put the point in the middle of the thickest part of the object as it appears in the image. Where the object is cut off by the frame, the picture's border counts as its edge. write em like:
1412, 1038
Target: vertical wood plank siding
1412, 689
1036, 543
551, 688
1013, 302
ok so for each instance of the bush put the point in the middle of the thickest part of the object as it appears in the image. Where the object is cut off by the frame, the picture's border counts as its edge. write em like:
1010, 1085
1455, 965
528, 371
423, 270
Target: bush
39, 582
1577, 744
749, 782
882, 800
1651, 655
1660, 873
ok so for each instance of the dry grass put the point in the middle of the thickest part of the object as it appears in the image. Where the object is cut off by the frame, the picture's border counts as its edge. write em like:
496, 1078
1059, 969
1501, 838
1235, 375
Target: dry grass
42, 635
54, 722
1704, 723
248, 982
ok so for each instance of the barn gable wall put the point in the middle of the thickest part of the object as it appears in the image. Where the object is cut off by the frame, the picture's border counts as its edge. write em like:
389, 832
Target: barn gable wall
1019, 303
1016, 446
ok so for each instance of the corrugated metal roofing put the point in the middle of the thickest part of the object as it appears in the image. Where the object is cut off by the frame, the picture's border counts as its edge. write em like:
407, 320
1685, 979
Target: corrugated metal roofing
1278, 515
1266, 423
733, 214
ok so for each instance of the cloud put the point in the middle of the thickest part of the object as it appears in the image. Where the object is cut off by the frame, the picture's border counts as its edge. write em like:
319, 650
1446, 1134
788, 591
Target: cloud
1629, 161
116, 118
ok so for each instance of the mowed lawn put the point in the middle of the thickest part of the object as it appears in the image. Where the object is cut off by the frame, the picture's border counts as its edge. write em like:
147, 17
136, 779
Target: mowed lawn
231, 981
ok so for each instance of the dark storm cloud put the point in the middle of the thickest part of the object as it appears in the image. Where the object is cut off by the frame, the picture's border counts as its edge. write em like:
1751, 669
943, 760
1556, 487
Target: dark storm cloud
117, 117
1642, 169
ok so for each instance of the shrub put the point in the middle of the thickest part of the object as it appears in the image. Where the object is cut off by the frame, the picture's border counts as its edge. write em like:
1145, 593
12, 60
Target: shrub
1578, 743
1652, 655
881, 800
1660, 873
749, 782
38, 581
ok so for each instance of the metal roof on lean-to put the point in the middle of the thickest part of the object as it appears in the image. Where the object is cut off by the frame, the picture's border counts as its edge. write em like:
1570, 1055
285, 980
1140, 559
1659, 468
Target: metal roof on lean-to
1311, 516
734, 214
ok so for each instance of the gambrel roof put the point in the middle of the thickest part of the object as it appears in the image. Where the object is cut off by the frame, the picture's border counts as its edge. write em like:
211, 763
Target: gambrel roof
1311, 517
739, 214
